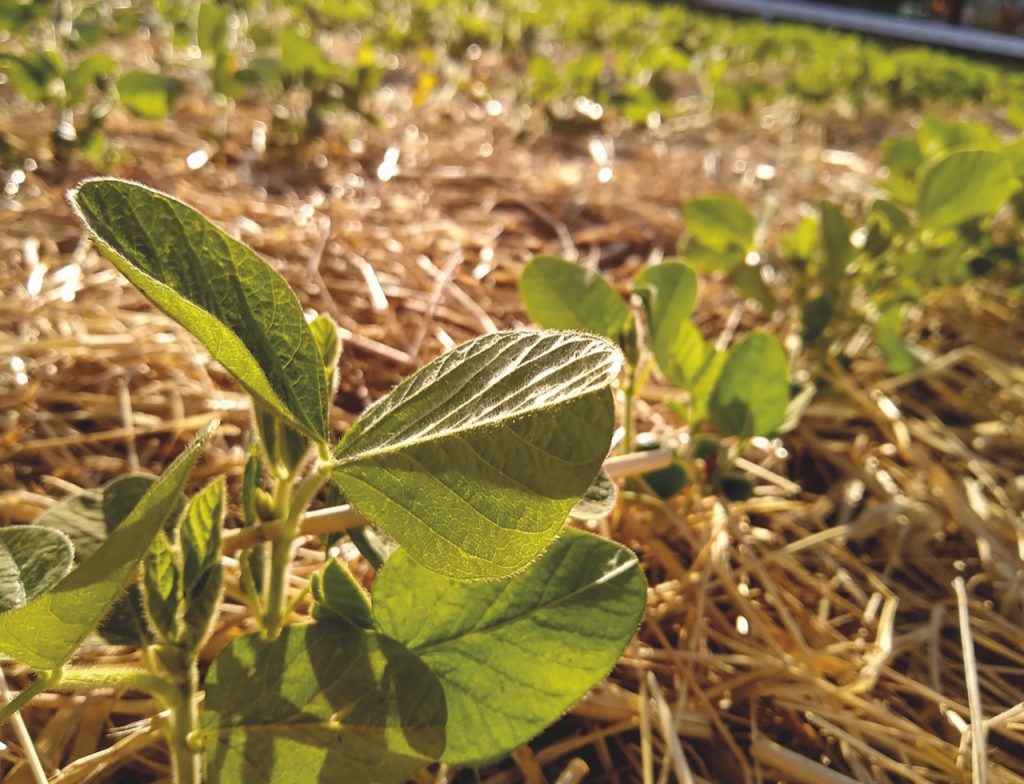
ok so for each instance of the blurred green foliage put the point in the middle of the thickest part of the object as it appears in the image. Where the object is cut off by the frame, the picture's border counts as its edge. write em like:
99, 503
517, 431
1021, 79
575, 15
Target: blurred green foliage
579, 63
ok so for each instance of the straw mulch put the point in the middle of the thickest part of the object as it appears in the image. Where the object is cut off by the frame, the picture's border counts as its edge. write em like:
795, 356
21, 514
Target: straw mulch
858, 620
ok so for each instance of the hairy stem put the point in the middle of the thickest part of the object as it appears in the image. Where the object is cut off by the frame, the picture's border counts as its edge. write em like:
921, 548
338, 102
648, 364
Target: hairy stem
281, 552
116, 677
187, 761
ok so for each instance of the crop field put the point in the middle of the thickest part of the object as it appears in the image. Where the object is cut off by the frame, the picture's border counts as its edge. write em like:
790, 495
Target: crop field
496, 392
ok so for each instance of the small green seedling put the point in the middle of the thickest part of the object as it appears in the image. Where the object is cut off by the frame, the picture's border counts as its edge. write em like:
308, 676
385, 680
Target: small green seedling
742, 393
953, 213
488, 619
78, 90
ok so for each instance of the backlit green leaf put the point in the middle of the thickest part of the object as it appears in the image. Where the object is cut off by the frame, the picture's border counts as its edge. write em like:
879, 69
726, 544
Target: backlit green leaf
964, 185
162, 588
338, 595
201, 605
89, 71
706, 259
301, 56
325, 334
752, 392
514, 655
669, 293
560, 294
889, 335
45, 632
32, 560
937, 136
326, 702
837, 252
88, 518
514, 426
704, 386
200, 533
148, 95
720, 222
217, 288
212, 27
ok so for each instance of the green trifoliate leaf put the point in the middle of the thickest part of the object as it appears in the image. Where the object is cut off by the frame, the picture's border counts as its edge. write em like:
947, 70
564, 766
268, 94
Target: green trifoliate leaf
285, 447
669, 293
703, 258
720, 222
325, 334
752, 392
32, 560
473, 463
212, 28
560, 294
936, 136
200, 533
217, 288
750, 283
704, 385
87, 519
899, 358
326, 702
201, 604
903, 156
338, 595
45, 632
964, 185
148, 95
599, 500
162, 588
302, 57
90, 71
514, 655
252, 475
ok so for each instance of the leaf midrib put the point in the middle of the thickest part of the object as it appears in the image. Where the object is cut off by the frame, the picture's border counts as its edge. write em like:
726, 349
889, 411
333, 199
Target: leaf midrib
456, 432
605, 578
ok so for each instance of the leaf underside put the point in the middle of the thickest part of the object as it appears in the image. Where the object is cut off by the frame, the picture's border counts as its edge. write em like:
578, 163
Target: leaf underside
217, 288
514, 655
32, 560
513, 427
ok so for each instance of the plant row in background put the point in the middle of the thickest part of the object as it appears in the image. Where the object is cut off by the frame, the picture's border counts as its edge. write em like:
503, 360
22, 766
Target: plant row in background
582, 62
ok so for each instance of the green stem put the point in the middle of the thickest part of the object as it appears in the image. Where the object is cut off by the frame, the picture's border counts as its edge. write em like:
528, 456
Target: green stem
627, 410
186, 759
115, 677
12, 707
281, 552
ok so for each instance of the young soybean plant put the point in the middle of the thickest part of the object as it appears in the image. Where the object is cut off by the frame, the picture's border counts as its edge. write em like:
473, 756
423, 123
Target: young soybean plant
488, 621
743, 392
